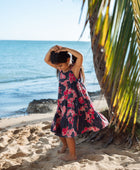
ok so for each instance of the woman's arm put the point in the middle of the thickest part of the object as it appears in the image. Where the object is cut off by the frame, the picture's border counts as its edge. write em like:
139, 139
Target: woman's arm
78, 55
47, 56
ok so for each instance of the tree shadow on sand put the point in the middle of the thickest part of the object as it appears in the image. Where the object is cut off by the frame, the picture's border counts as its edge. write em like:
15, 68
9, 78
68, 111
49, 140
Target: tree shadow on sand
44, 145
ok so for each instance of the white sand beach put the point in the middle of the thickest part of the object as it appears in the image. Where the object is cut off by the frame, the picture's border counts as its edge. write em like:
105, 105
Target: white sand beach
26, 143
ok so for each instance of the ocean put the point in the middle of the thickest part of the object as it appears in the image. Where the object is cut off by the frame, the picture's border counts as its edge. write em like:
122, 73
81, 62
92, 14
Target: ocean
24, 76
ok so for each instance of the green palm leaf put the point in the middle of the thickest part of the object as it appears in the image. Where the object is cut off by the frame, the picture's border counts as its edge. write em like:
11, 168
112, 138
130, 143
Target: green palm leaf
115, 36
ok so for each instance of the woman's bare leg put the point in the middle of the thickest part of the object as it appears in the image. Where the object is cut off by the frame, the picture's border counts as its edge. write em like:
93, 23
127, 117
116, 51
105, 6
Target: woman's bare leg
64, 147
72, 151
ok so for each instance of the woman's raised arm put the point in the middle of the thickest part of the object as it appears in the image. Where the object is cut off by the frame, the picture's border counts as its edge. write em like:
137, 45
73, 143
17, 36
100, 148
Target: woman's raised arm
47, 56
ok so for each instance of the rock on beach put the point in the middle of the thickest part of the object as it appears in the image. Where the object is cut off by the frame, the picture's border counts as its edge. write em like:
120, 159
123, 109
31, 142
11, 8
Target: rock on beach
41, 106
45, 105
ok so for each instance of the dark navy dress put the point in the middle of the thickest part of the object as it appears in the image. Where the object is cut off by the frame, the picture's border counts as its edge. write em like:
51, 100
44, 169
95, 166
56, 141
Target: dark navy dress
75, 113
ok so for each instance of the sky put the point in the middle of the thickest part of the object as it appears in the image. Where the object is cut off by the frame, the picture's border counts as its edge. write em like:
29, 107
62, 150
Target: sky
42, 20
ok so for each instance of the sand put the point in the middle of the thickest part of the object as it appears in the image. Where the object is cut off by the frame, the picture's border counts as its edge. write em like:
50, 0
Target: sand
26, 143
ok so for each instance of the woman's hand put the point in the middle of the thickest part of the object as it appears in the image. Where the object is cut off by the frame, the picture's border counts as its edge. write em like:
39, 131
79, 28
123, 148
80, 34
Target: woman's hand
56, 48
61, 49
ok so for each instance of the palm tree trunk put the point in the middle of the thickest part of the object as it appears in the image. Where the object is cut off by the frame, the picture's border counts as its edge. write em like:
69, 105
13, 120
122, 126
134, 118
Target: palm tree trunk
98, 57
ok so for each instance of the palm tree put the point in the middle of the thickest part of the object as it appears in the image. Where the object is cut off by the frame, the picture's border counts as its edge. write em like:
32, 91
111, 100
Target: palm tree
115, 39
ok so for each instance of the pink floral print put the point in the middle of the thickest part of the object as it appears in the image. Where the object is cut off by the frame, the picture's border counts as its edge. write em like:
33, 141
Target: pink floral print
75, 112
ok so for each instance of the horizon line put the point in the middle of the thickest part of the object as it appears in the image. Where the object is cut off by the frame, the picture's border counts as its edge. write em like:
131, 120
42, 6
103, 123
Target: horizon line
43, 40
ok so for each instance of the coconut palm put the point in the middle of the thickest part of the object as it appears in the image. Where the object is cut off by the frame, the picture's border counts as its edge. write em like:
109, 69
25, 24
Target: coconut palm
115, 39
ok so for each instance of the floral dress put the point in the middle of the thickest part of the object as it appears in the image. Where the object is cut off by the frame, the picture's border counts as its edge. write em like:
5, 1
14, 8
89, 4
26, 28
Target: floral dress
75, 113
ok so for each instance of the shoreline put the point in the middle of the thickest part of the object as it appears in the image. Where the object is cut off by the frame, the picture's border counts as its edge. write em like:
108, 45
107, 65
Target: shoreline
98, 100
23, 111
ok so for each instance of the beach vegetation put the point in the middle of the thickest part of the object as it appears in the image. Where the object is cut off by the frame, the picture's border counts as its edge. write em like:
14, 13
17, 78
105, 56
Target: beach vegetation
115, 42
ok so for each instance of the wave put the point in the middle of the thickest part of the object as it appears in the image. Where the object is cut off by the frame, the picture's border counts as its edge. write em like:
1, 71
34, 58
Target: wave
26, 79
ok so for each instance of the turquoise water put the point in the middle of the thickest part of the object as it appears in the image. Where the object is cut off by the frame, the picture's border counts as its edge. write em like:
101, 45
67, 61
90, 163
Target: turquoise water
25, 76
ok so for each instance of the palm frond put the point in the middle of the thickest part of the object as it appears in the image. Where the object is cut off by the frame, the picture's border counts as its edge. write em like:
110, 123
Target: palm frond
118, 30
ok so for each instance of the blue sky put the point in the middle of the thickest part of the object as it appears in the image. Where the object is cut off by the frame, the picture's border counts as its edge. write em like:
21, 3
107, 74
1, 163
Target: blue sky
42, 20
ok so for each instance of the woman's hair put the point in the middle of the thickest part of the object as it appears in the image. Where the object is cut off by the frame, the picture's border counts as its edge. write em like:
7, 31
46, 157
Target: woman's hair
61, 57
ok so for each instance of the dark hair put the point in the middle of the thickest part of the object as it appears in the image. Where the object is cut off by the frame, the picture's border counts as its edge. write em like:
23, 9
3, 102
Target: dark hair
61, 57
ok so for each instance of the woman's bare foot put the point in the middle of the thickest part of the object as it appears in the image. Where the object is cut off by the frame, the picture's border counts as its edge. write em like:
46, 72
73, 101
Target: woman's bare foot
63, 149
68, 157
